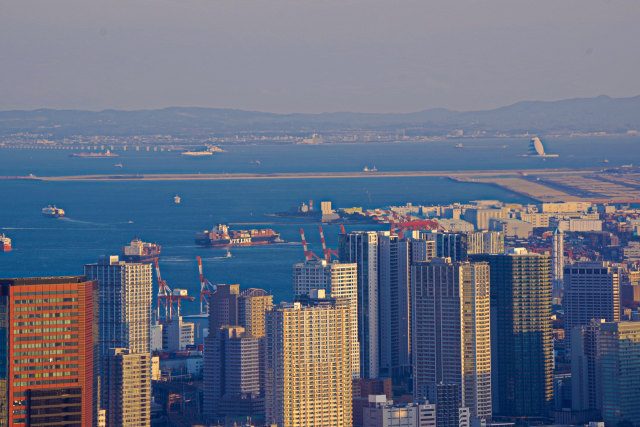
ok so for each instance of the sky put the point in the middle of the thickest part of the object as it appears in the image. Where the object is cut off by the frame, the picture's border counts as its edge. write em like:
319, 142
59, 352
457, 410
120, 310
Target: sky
312, 56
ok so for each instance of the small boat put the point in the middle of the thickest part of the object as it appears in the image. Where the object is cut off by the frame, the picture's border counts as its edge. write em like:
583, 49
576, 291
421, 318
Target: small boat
52, 211
5, 244
176, 199
118, 165
228, 254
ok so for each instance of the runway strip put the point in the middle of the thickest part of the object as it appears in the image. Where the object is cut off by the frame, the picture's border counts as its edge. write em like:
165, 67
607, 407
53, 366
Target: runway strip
311, 175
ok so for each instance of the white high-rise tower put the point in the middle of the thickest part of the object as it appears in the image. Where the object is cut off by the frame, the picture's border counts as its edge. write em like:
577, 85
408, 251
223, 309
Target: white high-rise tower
558, 262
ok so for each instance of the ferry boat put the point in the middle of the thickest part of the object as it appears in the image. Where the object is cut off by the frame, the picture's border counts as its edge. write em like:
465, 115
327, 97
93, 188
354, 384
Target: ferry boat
220, 235
52, 211
139, 251
5, 243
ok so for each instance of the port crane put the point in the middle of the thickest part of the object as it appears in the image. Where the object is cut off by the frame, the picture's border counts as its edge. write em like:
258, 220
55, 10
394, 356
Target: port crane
206, 289
308, 255
168, 297
326, 251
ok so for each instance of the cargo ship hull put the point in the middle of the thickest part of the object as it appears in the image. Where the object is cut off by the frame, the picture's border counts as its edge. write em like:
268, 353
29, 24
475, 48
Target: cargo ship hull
221, 236
141, 252
140, 258
238, 241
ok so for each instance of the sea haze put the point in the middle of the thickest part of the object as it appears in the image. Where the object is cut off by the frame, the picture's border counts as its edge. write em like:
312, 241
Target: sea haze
103, 216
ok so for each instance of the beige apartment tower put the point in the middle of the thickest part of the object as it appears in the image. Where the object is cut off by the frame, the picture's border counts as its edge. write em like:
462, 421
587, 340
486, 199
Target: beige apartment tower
252, 306
127, 388
308, 364
339, 280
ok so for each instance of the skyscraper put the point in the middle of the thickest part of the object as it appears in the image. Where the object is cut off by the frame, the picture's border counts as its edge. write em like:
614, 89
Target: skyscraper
521, 334
585, 382
485, 242
231, 307
557, 253
127, 387
223, 306
232, 374
48, 342
252, 306
451, 331
308, 364
619, 352
591, 291
393, 287
450, 411
448, 245
361, 248
339, 280
125, 303
125, 324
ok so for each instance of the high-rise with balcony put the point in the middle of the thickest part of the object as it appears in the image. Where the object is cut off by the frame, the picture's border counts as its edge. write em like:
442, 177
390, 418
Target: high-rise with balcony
451, 331
308, 364
229, 306
125, 303
521, 334
125, 324
339, 280
232, 385
361, 248
591, 291
127, 382
48, 341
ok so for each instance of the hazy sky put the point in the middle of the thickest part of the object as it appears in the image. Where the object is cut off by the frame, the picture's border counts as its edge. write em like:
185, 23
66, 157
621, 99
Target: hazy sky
314, 55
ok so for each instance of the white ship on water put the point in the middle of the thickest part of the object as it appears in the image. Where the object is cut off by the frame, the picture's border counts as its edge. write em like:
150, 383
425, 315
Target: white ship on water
536, 149
203, 153
52, 211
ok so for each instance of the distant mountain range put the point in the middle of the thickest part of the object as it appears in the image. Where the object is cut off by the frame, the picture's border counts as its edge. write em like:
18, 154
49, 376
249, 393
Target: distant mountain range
600, 114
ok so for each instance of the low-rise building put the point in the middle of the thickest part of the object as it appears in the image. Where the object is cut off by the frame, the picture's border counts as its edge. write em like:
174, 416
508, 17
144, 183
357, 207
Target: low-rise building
383, 413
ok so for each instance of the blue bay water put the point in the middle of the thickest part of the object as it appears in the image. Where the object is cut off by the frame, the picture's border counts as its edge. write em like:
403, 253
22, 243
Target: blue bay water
103, 216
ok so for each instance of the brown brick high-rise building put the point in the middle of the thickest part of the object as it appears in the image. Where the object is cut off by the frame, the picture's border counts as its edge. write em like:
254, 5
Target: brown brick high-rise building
49, 337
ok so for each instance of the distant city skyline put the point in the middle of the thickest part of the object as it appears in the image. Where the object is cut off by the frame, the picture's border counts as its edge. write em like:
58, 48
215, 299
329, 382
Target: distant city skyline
311, 57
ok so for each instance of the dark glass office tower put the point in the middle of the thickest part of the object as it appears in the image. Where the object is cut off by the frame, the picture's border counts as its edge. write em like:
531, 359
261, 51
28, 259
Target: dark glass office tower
521, 333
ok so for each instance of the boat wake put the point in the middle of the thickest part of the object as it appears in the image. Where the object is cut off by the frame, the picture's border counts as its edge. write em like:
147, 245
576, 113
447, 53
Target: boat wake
175, 259
217, 258
77, 221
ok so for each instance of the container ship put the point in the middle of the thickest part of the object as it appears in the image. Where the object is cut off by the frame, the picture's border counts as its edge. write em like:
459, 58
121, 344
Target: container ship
222, 236
5, 243
95, 155
139, 251
52, 212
